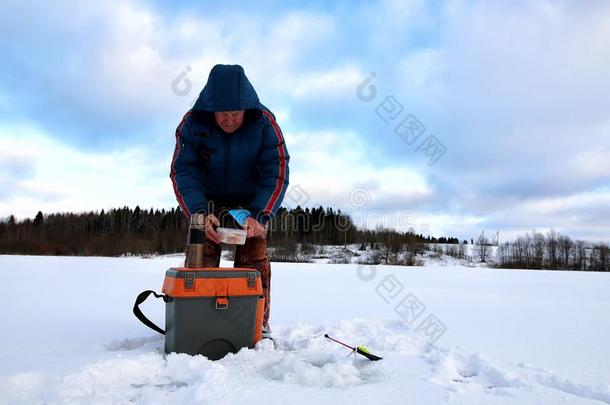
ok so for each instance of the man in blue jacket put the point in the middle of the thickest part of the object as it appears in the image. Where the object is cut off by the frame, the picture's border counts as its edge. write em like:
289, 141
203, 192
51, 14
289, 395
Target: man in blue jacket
230, 153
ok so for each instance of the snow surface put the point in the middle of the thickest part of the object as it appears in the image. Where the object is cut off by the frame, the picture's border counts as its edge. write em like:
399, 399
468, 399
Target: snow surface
512, 337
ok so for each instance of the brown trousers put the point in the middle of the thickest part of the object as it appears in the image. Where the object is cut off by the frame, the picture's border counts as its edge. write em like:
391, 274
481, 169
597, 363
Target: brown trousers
253, 254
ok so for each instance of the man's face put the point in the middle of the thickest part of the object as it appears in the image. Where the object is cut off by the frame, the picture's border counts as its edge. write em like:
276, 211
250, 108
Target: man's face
229, 121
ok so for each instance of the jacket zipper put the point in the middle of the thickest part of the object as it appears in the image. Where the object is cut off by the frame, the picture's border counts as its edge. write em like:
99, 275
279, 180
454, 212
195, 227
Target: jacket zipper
227, 154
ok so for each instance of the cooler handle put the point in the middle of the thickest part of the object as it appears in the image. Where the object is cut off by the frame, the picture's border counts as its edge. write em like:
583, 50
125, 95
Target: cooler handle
138, 313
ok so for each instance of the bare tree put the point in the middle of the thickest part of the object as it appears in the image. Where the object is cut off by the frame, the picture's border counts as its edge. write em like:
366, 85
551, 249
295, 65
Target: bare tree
527, 250
538, 245
461, 251
551, 239
565, 250
599, 257
581, 255
484, 248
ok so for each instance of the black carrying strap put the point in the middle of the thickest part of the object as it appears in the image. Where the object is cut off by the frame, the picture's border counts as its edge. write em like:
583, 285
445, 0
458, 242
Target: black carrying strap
138, 313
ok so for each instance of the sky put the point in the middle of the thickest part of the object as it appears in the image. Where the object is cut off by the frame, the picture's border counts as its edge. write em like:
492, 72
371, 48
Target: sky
448, 117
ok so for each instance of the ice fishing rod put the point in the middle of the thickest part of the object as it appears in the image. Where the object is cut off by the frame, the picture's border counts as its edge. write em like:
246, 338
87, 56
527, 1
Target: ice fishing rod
360, 349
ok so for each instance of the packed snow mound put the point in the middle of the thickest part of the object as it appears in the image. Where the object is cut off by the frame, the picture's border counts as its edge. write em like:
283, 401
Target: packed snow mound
303, 368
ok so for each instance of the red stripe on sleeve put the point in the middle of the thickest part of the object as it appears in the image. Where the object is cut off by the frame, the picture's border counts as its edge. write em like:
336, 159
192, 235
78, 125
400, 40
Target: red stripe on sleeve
282, 162
173, 171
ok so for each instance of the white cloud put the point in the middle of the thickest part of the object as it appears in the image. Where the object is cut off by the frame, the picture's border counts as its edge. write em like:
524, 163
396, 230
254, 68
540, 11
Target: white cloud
538, 62
575, 203
331, 165
338, 169
328, 84
420, 72
61, 178
592, 163
122, 57
402, 11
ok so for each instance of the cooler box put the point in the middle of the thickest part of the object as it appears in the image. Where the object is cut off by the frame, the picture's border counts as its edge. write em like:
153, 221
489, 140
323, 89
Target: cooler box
210, 311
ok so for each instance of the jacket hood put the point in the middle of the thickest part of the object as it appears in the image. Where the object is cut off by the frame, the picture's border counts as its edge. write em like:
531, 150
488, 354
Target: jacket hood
227, 89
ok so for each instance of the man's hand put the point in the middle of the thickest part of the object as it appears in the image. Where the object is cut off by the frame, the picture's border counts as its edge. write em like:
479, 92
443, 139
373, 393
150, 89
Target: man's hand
254, 228
208, 224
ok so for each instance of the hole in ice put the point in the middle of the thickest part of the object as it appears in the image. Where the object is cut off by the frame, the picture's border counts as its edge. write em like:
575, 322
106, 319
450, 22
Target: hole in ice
320, 370
170, 385
131, 344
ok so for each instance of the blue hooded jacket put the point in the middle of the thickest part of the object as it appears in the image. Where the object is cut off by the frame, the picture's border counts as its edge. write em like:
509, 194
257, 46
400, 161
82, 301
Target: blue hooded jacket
247, 168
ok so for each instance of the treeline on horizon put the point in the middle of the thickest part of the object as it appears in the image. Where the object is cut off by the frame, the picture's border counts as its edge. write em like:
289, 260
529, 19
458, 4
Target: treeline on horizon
553, 251
126, 231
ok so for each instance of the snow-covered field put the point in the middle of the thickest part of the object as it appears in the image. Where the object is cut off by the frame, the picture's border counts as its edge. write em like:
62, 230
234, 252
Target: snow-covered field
485, 336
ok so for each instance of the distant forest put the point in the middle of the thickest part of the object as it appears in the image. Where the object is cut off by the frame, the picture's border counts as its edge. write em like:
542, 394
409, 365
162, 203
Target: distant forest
293, 233
553, 251
123, 231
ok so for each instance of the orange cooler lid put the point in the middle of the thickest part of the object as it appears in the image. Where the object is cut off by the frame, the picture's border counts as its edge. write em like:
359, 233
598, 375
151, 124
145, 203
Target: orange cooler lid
182, 282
